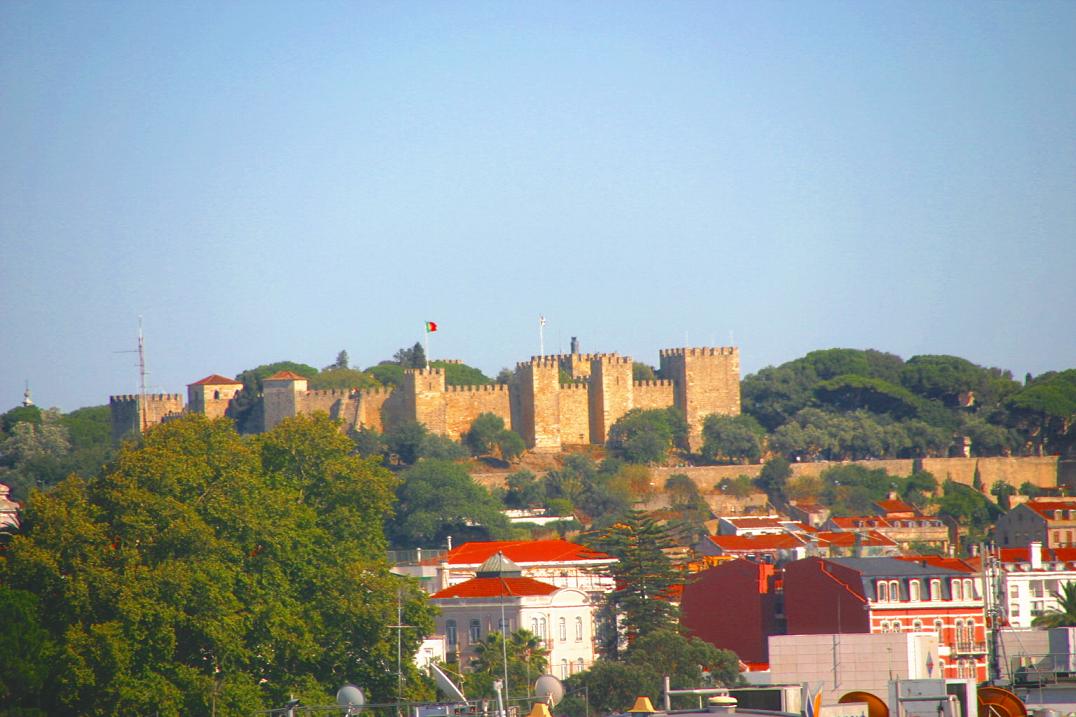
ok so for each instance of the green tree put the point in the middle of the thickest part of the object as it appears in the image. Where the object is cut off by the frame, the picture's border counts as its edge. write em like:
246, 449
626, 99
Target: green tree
966, 505
644, 576
246, 408
482, 435
460, 374
404, 440
1045, 411
739, 487
804, 487
207, 573
342, 361
773, 478
642, 372
438, 499
387, 373
511, 445
35, 454
342, 379
1064, 615
527, 660
524, 490
1004, 493
731, 439
1030, 489
647, 436
414, 357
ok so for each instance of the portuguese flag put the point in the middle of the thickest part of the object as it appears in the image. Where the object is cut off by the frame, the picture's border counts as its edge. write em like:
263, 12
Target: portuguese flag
430, 327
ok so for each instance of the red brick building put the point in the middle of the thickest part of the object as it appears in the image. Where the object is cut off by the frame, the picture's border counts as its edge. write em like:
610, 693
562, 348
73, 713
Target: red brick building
734, 606
857, 595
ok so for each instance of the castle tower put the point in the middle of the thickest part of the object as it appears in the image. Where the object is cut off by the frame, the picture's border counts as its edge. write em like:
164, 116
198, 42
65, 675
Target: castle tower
424, 397
705, 380
611, 393
281, 395
130, 414
536, 402
212, 395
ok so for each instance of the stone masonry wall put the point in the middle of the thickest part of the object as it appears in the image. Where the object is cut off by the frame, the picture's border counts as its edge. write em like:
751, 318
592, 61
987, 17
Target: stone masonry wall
126, 417
538, 385
649, 395
463, 404
707, 381
611, 391
574, 414
280, 400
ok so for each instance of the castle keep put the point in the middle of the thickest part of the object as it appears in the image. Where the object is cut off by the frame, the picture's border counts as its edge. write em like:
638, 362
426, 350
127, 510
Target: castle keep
537, 403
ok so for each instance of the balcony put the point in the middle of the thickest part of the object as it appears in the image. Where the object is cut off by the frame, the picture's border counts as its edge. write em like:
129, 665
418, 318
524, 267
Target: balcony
968, 647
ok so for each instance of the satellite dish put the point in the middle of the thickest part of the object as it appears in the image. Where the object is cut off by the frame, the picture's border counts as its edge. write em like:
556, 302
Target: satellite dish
350, 696
445, 684
549, 689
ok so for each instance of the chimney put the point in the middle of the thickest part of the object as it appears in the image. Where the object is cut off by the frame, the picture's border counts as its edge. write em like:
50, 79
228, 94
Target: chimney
1034, 548
575, 345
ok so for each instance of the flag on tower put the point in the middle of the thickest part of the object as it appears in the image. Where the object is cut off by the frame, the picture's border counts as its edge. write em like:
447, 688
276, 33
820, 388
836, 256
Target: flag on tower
430, 327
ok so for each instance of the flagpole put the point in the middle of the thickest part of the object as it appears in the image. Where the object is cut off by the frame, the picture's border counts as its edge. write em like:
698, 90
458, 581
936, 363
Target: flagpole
541, 335
426, 330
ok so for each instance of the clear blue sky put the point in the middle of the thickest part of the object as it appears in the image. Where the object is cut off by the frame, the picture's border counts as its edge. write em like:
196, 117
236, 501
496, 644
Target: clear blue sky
265, 181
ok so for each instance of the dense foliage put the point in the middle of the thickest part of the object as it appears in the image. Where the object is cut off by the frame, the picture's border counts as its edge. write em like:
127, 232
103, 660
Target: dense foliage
207, 573
647, 436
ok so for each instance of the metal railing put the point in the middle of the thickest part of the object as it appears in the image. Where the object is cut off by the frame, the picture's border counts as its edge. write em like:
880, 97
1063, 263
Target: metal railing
969, 647
1042, 669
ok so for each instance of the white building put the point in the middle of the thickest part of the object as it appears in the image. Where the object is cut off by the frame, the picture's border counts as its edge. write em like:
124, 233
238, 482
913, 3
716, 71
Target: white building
1030, 578
501, 599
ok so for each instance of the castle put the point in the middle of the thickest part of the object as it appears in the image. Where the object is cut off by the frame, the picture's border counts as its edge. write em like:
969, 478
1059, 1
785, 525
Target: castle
546, 411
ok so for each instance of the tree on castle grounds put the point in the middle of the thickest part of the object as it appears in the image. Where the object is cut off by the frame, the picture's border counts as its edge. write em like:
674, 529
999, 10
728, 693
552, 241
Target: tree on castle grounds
773, 478
343, 379
644, 576
642, 372
342, 361
482, 435
414, 357
207, 573
510, 444
647, 436
731, 439
245, 410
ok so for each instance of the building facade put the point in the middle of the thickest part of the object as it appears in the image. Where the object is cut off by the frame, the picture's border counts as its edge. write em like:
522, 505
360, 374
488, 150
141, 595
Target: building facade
1048, 521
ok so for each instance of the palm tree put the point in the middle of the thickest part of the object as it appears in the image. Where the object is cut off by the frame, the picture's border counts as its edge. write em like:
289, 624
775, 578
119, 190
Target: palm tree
1064, 615
526, 656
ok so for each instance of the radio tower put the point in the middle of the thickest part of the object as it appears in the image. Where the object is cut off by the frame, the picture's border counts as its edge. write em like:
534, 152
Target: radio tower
142, 378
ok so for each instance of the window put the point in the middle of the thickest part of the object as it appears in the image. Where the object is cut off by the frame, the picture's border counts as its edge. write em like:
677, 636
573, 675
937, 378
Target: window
883, 591
562, 629
917, 626
542, 633
476, 631
534, 626
563, 668
504, 626
954, 586
939, 626
969, 591
1036, 588
450, 632
579, 665
913, 590
935, 589
578, 629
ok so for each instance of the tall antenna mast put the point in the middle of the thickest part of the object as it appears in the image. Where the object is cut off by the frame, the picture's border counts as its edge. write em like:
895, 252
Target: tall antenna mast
541, 335
142, 377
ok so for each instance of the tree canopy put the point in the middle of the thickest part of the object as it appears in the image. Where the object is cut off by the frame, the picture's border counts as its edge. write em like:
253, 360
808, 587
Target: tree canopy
209, 573
647, 436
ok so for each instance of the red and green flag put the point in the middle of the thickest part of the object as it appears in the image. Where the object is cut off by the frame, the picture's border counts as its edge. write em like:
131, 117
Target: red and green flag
430, 327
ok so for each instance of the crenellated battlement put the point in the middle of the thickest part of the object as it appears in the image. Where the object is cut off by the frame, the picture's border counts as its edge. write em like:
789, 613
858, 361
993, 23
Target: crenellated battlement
487, 387
575, 386
450, 361
612, 359
540, 362
653, 383
134, 397
333, 392
377, 391
702, 351
431, 371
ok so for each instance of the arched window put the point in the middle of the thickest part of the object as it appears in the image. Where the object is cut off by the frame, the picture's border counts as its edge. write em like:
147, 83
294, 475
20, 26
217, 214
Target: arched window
562, 629
969, 590
578, 629
917, 626
913, 590
563, 668
935, 590
938, 627
476, 631
954, 586
534, 627
579, 665
883, 591
542, 629
894, 590
450, 632
884, 626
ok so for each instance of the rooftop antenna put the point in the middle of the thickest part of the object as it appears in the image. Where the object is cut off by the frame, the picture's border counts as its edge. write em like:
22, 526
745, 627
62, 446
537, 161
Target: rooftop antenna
142, 373
26, 400
541, 334
399, 627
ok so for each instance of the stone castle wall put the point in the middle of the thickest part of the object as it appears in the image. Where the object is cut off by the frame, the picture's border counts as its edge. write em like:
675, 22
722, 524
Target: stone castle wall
535, 404
127, 411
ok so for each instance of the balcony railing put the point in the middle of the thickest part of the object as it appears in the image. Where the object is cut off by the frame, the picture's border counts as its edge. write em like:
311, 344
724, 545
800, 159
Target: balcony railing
969, 647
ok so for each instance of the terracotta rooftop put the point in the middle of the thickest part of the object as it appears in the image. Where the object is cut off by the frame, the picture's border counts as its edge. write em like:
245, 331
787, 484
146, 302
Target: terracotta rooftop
1049, 555
521, 551
496, 587
752, 522
748, 543
216, 379
896, 506
939, 561
861, 521
1045, 508
847, 540
285, 376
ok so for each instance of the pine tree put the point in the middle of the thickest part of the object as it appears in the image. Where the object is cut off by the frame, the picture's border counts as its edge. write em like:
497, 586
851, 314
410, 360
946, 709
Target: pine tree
644, 575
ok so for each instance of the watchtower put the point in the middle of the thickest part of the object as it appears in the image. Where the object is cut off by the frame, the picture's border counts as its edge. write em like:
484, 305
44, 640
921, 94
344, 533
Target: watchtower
611, 393
424, 397
705, 380
536, 403
212, 395
281, 395
131, 414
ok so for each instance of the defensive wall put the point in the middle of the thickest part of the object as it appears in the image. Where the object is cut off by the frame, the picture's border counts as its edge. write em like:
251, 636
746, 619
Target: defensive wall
548, 413
132, 413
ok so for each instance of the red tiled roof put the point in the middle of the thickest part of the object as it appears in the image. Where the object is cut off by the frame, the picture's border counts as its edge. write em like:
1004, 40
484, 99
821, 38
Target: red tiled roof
1045, 508
896, 506
496, 587
216, 379
757, 542
285, 376
847, 540
753, 522
1049, 555
940, 561
522, 551
861, 521
810, 507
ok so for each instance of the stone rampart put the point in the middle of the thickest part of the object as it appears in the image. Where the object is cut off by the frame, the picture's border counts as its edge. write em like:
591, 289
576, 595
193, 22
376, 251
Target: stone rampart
463, 404
649, 395
574, 414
